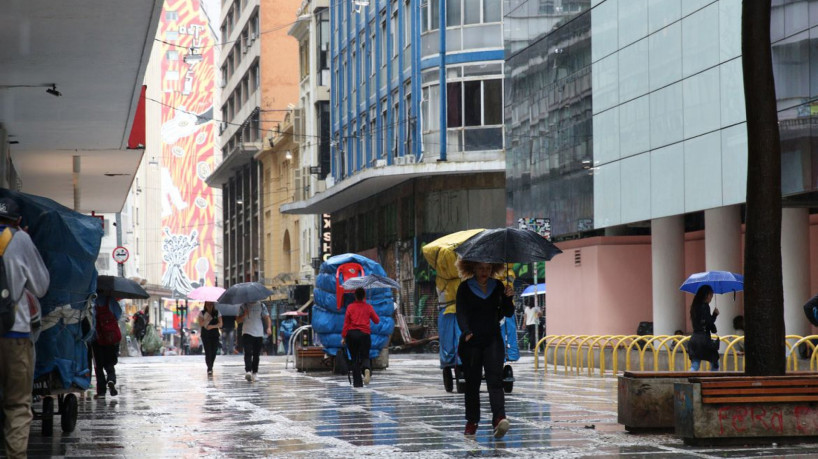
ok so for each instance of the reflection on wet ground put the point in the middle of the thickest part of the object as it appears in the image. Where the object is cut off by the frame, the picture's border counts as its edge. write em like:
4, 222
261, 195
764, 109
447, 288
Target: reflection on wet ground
168, 407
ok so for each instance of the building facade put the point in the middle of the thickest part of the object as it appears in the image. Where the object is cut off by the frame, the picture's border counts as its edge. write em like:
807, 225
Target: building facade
401, 76
258, 80
626, 128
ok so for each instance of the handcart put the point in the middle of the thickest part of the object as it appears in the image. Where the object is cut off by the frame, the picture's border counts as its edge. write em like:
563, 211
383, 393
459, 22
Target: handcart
69, 244
441, 256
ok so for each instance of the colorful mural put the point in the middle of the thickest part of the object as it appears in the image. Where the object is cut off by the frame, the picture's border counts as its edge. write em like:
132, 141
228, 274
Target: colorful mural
188, 141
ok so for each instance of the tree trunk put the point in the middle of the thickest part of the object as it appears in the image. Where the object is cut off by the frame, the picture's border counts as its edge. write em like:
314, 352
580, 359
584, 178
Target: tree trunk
763, 290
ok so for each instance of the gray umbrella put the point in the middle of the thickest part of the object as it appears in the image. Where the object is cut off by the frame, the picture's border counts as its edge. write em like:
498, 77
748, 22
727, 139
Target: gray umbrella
245, 292
228, 309
370, 281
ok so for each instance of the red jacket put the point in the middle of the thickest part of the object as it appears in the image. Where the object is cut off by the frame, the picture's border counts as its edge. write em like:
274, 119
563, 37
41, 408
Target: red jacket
357, 317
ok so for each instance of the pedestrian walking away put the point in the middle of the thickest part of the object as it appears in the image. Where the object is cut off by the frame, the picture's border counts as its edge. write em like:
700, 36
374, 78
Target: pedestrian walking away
22, 268
482, 302
140, 325
105, 347
228, 334
211, 321
702, 347
255, 320
357, 336
532, 320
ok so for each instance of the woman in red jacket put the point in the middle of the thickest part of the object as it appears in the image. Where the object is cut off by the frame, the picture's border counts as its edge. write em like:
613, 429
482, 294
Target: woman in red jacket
356, 335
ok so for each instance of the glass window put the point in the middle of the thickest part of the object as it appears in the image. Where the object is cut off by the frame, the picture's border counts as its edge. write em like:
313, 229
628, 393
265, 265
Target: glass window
472, 12
407, 24
606, 136
729, 29
472, 103
633, 71
172, 55
604, 30
605, 83
493, 102
434, 14
732, 93
700, 31
634, 122
454, 105
662, 13
666, 116
453, 13
492, 11
665, 56
633, 21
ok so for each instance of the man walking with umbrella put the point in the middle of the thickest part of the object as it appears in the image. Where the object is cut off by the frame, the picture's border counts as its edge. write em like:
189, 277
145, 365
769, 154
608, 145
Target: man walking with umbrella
255, 320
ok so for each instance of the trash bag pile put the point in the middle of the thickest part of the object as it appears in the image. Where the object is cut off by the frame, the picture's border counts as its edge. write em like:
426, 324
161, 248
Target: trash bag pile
328, 320
69, 244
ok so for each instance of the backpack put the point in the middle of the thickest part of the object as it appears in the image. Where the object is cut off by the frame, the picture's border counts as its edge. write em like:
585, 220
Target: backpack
811, 310
108, 332
8, 305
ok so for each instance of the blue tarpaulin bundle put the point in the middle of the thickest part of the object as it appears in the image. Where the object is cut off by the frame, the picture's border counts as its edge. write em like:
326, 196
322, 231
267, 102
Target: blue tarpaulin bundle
69, 244
328, 321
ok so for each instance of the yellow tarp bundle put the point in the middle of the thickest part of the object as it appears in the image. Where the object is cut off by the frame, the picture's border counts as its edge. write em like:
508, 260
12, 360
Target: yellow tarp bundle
441, 256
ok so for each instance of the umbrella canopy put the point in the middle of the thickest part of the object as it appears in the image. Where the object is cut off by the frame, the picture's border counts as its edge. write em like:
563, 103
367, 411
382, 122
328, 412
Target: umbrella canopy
120, 287
168, 331
294, 314
206, 293
228, 309
245, 292
532, 290
720, 281
370, 281
507, 245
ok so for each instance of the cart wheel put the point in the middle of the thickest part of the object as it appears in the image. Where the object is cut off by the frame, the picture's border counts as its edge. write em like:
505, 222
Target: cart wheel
433, 347
461, 387
448, 379
508, 379
48, 416
68, 413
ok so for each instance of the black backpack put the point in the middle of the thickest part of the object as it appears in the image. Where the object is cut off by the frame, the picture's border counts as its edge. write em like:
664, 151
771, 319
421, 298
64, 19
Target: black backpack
811, 310
8, 305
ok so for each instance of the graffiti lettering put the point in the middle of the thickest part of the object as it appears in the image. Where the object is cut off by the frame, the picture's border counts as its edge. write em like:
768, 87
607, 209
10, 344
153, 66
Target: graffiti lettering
806, 419
739, 419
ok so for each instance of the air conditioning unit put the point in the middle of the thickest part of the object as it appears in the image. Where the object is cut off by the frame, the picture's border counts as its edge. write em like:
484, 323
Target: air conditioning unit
380, 162
410, 159
222, 83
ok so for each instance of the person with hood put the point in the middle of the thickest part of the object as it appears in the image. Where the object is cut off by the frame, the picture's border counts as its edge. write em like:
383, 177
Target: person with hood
24, 269
285, 331
702, 347
482, 301
356, 334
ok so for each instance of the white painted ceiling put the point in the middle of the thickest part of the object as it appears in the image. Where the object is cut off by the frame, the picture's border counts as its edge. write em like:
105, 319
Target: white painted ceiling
96, 52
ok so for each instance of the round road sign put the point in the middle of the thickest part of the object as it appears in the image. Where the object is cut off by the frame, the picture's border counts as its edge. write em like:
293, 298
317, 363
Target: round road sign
120, 254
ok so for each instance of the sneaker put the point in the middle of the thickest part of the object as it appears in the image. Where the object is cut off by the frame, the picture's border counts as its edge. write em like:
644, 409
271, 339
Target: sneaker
501, 426
367, 376
210, 372
248, 376
471, 428
112, 388
255, 376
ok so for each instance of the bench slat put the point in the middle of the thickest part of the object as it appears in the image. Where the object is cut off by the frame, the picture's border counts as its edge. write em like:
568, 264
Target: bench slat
760, 390
760, 383
765, 398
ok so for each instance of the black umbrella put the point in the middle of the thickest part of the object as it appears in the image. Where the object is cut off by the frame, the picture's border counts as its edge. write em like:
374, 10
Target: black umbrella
120, 287
507, 245
245, 292
228, 309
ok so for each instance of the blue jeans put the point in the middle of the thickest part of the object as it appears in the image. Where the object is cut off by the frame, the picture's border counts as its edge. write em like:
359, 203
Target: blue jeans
695, 364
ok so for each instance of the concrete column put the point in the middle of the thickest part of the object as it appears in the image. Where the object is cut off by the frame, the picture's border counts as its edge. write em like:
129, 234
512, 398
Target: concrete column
668, 260
795, 269
722, 252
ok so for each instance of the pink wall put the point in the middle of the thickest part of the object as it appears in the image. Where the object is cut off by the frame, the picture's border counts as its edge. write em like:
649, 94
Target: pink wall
610, 292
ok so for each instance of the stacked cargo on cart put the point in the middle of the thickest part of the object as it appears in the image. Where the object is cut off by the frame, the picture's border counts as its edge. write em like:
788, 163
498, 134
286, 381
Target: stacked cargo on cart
69, 244
331, 301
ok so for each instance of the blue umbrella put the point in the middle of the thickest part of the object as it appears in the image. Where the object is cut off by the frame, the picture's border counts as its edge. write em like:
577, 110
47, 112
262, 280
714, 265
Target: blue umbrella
720, 281
532, 290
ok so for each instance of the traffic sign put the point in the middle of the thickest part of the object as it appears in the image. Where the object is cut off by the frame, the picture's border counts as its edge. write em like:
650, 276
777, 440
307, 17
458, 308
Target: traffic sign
120, 254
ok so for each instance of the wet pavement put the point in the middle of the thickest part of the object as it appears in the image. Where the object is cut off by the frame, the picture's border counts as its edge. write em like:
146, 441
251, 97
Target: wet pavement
169, 407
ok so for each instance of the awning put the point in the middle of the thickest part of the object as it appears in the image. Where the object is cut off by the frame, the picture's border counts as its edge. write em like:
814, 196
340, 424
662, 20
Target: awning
137, 138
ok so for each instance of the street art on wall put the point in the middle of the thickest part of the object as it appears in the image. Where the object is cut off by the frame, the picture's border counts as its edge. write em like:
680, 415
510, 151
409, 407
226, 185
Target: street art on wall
188, 78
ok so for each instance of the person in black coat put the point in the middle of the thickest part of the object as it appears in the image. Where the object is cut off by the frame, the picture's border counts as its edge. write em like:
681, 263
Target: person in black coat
702, 347
211, 321
482, 301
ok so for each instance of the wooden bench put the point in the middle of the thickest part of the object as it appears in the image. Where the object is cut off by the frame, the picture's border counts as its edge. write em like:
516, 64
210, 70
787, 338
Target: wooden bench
312, 358
758, 389
645, 398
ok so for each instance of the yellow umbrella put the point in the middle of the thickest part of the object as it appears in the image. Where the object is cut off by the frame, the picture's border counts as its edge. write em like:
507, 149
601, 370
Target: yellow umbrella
440, 255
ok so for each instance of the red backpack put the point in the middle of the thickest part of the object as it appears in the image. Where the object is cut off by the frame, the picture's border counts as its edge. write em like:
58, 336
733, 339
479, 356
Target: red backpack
107, 326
